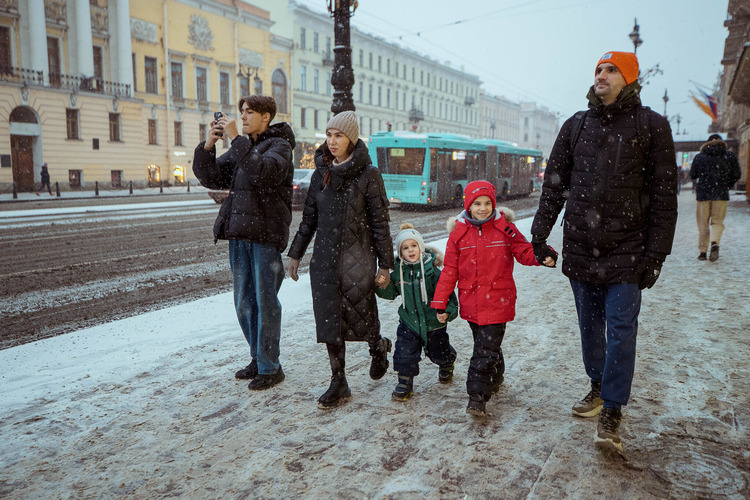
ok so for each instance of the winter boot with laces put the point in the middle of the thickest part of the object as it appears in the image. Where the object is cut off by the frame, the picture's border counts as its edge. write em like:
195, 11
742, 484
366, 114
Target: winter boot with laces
404, 389
591, 405
607, 436
476, 405
445, 374
379, 353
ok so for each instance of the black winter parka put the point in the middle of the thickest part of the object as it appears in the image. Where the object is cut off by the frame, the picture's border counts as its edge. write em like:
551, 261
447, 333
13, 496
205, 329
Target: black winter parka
259, 176
715, 170
621, 190
350, 217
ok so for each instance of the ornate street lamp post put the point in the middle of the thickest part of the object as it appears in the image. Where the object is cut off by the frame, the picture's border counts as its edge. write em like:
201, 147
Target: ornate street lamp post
244, 73
635, 36
343, 75
666, 98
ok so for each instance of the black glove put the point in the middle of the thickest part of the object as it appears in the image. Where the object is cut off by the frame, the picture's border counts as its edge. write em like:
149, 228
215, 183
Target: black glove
649, 270
542, 250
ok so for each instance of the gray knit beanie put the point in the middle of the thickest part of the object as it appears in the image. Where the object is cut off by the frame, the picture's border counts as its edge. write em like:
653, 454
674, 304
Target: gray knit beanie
346, 122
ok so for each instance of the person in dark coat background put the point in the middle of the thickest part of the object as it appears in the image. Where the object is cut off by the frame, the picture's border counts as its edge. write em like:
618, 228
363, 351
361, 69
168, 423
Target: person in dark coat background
347, 207
619, 180
714, 170
255, 218
45, 180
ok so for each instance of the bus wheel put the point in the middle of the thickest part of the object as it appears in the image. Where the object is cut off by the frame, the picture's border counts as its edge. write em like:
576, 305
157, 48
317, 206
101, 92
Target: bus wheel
458, 198
503, 195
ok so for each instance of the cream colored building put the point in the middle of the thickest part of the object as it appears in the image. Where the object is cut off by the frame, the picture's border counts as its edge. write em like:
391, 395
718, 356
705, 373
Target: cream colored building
114, 91
499, 117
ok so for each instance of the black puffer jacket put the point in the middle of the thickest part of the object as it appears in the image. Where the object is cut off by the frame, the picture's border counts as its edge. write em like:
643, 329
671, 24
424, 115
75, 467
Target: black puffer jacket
715, 171
350, 216
259, 175
621, 190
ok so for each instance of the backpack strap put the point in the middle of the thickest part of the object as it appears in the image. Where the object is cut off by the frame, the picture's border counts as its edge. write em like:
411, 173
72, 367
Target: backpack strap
575, 131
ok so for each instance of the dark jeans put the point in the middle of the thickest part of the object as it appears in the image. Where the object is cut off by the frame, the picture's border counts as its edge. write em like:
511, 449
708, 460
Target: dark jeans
409, 343
487, 361
608, 320
257, 274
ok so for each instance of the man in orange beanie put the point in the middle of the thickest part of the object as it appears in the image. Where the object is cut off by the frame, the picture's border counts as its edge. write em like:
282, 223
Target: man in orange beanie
615, 166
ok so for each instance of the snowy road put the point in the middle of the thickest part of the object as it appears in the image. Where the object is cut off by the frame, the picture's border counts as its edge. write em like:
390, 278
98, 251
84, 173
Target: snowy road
147, 406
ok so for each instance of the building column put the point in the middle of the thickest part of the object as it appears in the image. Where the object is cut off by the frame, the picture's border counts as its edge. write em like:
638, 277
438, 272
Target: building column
84, 41
38, 38
123, 48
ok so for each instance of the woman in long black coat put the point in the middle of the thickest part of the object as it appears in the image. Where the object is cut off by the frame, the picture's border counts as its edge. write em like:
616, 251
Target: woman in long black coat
347, 206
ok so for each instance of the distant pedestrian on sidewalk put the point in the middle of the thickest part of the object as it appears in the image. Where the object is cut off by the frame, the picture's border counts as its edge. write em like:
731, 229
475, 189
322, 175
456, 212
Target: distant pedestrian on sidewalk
615, 166
255, 218
346, 210
479, 256
714, 171
45, 180
414, 278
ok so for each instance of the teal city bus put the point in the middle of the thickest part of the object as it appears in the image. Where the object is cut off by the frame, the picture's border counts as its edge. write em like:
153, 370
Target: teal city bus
433, 169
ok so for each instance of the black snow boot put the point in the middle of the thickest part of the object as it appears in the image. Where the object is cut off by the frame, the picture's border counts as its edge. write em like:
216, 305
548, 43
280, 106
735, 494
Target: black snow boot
338, 391
379, 352
404, 389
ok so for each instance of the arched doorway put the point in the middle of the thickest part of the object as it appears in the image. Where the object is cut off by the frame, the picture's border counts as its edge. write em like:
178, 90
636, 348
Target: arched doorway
279, 91
24, 130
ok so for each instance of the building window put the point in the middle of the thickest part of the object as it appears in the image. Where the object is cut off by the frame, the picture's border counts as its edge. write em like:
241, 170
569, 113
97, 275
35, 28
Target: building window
114, 127
53, 58
98, 63
361, 92
315, 42
201, 84
328, 46
316, 81
116, 177
302, 38
414, 74
224, 93
388, 66
388, 98
152, 137
135, 73
245, 85
258, 86
328, 84
421, 77
5, 59
278, 90
380, 96
302, 118
316, 125
380, 64
370, 60
176, 80
361, 58
178, 133
397, 69
150, 74
369, 93
303, 78
71, 117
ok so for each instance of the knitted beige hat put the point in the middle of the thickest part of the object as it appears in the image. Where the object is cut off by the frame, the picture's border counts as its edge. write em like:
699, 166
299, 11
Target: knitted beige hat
346, 122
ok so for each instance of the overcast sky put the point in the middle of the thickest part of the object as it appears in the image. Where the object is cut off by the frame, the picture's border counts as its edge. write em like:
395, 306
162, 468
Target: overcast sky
545, 50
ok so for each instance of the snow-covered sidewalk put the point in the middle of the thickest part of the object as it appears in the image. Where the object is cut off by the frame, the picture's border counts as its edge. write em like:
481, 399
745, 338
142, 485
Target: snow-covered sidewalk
148, 406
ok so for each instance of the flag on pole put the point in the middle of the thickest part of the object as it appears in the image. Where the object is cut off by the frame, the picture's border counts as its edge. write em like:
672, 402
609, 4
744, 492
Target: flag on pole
707, 103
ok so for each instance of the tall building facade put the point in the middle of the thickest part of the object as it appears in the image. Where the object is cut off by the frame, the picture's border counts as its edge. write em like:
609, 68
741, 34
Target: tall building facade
539, 128
114, 91
499, 118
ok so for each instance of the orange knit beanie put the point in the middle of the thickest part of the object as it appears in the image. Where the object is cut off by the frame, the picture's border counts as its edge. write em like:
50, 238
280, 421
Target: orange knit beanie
626, 62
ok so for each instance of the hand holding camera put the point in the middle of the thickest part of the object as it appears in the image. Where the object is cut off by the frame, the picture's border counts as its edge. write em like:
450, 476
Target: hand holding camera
218, 116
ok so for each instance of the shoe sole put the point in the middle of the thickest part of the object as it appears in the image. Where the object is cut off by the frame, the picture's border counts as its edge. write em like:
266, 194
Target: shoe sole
588, 414
341, 401
476, 413
607, 444
401, 397
713, 258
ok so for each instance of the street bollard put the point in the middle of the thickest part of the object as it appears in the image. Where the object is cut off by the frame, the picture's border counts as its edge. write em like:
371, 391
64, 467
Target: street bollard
161, 186
131, 188
188, 186
15, 191
96, 188
57, 189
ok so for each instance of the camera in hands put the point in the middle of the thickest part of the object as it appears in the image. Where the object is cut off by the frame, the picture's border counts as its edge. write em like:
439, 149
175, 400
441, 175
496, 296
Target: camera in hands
217, 115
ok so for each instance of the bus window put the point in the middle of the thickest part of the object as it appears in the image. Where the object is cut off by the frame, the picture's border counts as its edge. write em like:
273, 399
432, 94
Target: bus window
458, 165
405, 161
382, 163
482, 165
433, 164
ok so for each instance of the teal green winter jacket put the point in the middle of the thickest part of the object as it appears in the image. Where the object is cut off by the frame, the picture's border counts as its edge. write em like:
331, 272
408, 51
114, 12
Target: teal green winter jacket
415, 311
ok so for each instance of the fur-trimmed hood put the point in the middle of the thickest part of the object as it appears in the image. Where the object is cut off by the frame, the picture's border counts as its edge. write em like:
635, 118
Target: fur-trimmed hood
717, 147
431, 254
451, 223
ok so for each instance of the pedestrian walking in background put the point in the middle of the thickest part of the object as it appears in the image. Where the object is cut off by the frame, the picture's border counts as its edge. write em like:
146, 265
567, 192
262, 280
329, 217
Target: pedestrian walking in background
255, 218
714, 171
615, 166
347, 207
414, 278
45, 180
479, 256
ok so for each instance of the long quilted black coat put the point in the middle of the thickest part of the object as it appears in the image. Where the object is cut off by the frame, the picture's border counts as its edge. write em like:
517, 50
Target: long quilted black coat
350, 216
620, 183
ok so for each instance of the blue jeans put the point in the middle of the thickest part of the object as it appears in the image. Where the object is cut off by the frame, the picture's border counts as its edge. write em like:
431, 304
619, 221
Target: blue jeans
257, 274
608, 320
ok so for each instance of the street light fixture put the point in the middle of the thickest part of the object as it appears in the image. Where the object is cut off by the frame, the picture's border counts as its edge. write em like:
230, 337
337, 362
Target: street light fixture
635, 36
666, 98
245, 72
343, 74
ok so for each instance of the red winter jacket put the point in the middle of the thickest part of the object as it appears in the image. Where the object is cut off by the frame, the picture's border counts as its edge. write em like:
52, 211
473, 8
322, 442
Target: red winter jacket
480, 259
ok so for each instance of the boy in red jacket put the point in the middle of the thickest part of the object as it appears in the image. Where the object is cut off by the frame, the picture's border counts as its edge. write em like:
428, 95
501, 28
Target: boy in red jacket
479, 257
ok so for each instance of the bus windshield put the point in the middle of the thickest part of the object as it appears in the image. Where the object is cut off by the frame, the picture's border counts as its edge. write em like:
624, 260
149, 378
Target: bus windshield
403, 161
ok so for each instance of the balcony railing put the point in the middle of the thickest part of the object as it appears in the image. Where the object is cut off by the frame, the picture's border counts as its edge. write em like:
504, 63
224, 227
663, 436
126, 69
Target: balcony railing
59, 80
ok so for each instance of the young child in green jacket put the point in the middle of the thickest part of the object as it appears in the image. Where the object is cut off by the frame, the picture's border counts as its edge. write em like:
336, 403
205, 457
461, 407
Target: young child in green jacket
414, 278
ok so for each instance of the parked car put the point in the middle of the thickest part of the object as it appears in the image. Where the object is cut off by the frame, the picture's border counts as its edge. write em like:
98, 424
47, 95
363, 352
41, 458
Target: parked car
300, 185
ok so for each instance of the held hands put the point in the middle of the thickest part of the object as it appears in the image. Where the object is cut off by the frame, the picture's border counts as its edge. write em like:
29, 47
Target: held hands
649, 270
224, 125
544, 253
442, 316
292, 267
382, 278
